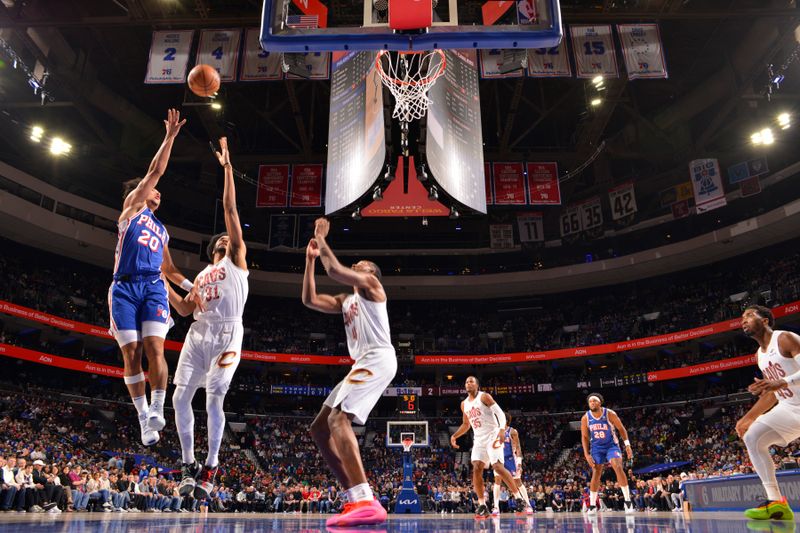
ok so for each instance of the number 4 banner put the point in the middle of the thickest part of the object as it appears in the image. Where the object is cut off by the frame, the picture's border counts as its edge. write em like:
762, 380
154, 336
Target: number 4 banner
593, 47
220, 49
623, 201
531, 227
169, 56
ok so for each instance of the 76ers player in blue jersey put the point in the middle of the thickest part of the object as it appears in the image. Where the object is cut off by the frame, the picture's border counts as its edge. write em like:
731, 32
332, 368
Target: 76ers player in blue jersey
598, 427
137, 298
512, 460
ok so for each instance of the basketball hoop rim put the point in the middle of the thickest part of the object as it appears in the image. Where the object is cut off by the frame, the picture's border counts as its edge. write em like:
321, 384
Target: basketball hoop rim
427, 80
407, 444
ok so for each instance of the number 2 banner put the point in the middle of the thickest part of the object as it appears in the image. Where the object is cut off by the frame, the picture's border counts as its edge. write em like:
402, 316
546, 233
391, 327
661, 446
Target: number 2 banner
593, 47
169, 56
220, 49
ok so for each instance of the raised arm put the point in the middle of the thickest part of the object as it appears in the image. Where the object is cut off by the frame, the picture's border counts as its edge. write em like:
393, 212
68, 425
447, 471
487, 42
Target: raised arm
158, 166
339, 272
463, 428
238, 249
324, 303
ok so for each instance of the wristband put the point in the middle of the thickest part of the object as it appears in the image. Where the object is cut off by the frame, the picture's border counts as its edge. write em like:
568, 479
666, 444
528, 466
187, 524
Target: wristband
187, 285
627, 442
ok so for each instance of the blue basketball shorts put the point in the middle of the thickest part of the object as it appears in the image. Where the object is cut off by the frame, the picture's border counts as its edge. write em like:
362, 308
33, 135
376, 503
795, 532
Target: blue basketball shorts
138, 309
604, 454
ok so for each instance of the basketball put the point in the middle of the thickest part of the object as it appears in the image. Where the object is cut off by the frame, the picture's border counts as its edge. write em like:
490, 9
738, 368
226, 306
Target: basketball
204, 80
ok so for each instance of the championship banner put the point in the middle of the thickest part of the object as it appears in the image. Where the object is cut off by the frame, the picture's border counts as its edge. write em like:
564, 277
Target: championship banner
593, 47
642, 50
703, 368
501, 236
707, 183
571, 221
306, 186
543, 184
220, 49
169, 56
750, 187
549, 62
317, 67
531, 227
678, 193
259, 65
492, 62
623, 201
273, 186
487, 175
747, 169
591, 213
509, 183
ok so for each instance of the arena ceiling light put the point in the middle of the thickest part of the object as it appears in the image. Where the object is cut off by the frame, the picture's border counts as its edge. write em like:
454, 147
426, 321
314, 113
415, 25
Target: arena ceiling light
59, 147
784, 121
36, 133
596, 102
216, 106
764, 137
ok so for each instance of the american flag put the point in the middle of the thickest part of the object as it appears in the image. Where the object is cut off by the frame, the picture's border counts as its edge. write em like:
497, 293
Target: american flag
302, 21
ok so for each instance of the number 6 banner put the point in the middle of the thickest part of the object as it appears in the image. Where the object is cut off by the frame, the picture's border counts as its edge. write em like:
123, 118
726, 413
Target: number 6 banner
169, 56
220, 49
593, 47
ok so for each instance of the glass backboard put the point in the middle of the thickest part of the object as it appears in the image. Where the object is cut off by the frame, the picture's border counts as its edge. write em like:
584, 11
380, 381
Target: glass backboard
397, 429
330, 25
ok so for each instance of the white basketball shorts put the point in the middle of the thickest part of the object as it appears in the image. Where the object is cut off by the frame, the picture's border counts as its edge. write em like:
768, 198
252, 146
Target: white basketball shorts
784, 419
488, 449
359, 392
210, 355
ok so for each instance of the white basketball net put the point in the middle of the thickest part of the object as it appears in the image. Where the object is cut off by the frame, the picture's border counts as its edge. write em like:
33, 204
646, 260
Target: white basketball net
407, 444
409, 76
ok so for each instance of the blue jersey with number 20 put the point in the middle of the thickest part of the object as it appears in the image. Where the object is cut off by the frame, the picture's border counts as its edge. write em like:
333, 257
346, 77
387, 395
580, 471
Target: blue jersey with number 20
140, 248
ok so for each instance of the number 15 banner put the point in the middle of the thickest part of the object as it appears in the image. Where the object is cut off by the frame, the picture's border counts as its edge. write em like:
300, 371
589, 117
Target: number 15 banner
169, 56
220, 49
593, 47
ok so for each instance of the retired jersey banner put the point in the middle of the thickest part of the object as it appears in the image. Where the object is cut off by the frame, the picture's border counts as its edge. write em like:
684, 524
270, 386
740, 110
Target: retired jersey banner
571, 221
306, 186
623, 201
273, 186
509, 183
549, 62
487, 175
492, 62
169, 56
543, 184
220, 49
591, 213
707, 184
259, 65
531, 227
642, 50
317, 66
593, 47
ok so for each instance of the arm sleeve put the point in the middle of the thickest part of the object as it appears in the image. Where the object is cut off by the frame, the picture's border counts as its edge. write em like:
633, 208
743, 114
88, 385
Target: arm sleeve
501, 416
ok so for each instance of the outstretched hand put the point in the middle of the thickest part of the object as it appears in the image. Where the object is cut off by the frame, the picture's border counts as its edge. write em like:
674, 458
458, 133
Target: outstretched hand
223, 156
761, 386
312, 250
173, 122
321, 228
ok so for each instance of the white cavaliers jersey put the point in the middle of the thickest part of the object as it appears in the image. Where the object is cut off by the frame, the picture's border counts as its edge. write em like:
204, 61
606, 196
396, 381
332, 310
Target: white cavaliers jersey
366, 324
775, 366
481, 418
223, 288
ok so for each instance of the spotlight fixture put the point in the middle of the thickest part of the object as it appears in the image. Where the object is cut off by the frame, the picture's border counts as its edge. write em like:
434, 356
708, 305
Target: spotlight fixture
433, 193
356, 215
216, 106
597, 80
422, 174
377, 194
596, 102
454, 214
36, 133
59, 147
784, 121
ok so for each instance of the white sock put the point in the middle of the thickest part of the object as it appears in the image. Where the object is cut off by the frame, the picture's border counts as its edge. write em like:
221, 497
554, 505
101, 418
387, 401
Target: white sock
626, 491
496, 494
140, 402
592, 498
360, 493
157, 397
216, 426
773, 492
524, 491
